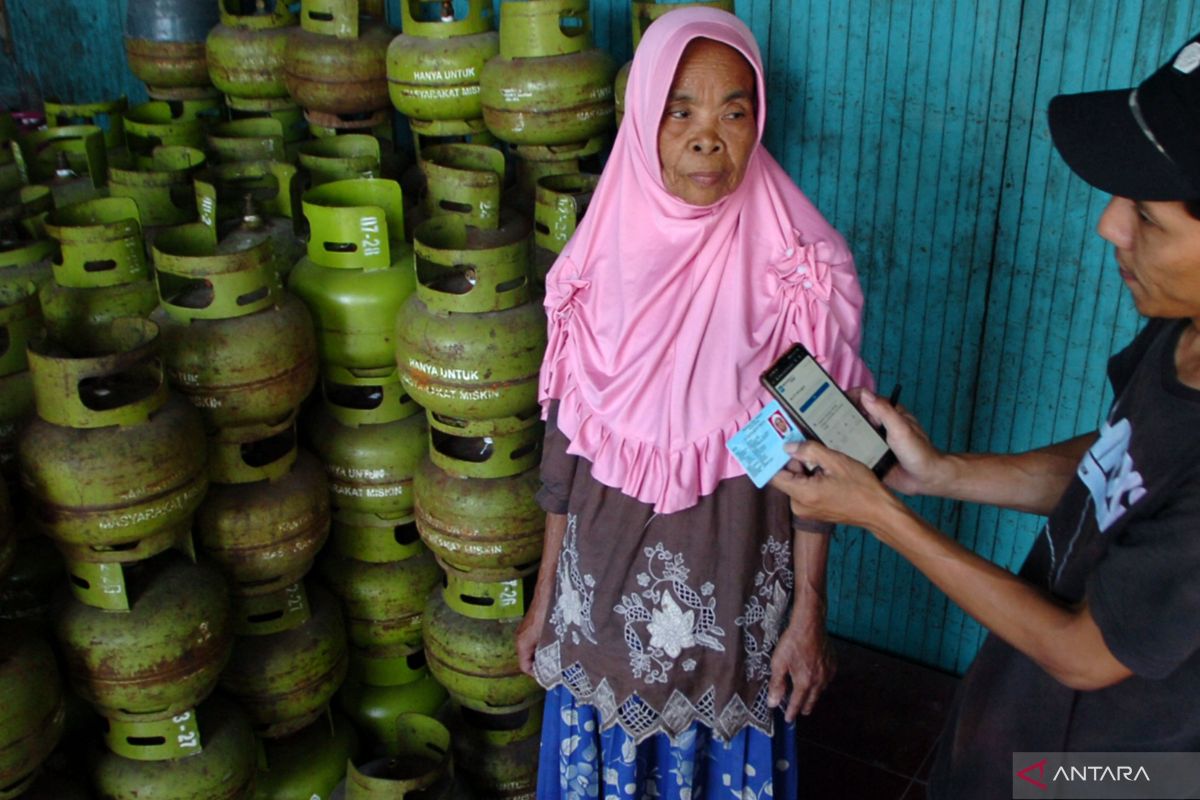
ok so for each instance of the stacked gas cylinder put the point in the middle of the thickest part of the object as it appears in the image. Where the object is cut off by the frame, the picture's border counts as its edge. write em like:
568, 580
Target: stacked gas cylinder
549, 124
113, 465
245, 54
162, 415
470, 341
371, 437
335, 65
33, 707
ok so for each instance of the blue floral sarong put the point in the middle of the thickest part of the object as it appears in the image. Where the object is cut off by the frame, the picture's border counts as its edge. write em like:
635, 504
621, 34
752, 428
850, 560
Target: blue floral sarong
580, 761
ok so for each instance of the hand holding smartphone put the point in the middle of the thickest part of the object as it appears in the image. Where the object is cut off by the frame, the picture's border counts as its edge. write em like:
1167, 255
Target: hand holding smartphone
823, 411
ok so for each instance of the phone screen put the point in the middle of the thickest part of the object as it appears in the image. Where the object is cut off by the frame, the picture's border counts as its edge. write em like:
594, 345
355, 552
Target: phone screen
822, 408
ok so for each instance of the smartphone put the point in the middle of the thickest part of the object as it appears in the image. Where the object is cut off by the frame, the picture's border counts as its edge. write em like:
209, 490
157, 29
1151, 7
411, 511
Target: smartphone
823, 411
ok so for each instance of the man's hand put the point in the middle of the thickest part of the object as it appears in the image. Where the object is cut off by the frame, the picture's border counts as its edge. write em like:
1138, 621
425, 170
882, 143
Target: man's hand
921, 467
831, 486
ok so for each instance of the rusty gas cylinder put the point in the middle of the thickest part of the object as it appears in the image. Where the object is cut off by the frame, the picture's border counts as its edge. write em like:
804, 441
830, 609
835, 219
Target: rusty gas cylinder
108, 115
16, 408
246, 49
535, 162
33, 712
20, 323
216, 762
548, 85
100, 273
235, 343
382, 581
281, 109
80, 148
463, 180
263, 533
487, 448
164, 41
560, 203
338, 158
22, 218
25, 250
252, 139
13, 170
470, 641
161, 186
490, 528
163, 655
468, 343
433, 67
378, 689
168, 122
285, 678
358, 271
371, 438
71, 161
335, 63
249, 201
497, 754
422, 766
114, 464
306, 764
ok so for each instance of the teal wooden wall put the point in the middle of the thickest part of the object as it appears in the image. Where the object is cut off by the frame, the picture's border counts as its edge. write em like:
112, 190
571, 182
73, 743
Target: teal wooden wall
65, 49
919, 128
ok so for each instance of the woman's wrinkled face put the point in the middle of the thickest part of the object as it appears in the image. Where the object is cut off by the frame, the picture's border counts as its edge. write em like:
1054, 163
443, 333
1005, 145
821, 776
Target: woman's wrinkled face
708, 128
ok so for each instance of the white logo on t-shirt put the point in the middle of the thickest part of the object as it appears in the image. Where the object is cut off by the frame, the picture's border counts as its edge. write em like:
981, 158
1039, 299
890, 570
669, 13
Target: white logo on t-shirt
1110, 475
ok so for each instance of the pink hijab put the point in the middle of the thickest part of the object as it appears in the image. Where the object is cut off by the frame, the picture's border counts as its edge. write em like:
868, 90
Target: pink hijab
662, 315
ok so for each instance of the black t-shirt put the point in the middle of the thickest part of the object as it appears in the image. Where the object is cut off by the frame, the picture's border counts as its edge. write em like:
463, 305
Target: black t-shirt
1125, 535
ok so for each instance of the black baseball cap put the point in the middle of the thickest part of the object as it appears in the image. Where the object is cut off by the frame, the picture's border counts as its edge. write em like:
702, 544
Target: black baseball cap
1141, 143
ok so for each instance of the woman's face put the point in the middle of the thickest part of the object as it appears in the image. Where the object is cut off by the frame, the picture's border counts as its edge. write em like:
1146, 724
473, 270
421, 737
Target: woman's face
708, 128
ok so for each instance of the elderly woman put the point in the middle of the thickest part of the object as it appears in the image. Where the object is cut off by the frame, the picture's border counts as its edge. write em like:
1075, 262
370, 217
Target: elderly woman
660, 622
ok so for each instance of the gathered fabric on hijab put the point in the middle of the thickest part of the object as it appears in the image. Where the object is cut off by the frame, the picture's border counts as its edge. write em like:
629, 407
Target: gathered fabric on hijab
663, 315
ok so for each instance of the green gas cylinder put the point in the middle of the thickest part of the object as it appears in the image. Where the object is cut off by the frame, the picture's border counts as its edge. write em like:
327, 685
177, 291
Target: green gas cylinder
433, 68
236, 344
548, 85
163, 655
245, 51
285, 678
335, 63
307, 764
33, 712
218, 764
358, 272
113, 463
490, 528
470, 641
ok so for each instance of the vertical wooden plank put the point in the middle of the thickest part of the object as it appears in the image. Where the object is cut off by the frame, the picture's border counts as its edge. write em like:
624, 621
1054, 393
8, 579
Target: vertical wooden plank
72, 49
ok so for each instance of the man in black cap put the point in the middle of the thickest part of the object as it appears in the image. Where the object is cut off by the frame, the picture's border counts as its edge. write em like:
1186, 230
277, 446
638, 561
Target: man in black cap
1095, 646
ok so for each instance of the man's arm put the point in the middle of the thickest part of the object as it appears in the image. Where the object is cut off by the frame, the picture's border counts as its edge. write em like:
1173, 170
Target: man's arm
1031, 482
1064, 640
